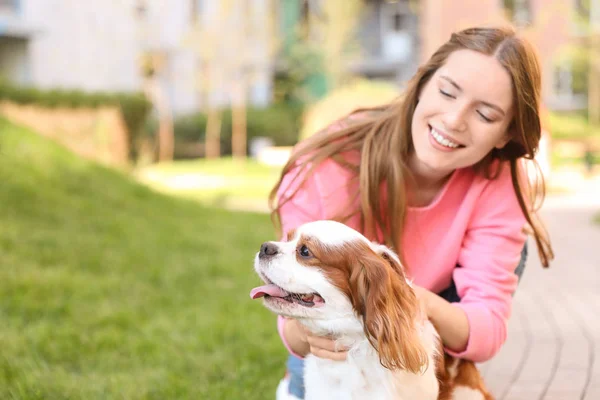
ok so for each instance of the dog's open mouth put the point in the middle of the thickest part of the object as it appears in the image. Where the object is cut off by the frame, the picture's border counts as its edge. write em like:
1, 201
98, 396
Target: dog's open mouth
274, 291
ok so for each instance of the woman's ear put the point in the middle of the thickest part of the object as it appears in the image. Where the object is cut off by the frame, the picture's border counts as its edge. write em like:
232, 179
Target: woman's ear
389, 308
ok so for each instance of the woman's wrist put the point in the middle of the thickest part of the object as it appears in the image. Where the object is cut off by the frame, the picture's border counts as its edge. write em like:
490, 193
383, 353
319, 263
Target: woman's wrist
423, 296
451, 322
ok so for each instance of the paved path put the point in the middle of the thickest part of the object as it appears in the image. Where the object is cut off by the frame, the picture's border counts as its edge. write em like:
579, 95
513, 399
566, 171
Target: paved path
553, 348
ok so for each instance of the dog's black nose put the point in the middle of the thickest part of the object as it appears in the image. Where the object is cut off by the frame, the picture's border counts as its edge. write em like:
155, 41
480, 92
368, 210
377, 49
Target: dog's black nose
268, 249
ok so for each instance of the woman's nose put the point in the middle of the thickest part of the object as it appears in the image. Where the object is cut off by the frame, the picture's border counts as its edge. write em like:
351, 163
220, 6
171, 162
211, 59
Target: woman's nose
455, 120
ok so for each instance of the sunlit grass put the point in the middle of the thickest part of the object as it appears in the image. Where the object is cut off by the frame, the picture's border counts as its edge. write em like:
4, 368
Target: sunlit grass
224, 182
113, 291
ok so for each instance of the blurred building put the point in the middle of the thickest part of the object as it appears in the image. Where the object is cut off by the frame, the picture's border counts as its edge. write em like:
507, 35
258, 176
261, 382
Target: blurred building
96, 45
397, 35
389, 37
15, 35
559, 29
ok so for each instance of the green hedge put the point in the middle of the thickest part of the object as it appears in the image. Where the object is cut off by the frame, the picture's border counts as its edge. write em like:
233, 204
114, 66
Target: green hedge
573, 127
134, 107
279, 122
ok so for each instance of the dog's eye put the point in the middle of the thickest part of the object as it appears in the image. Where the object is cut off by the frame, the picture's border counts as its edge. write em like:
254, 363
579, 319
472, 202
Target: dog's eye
304, 251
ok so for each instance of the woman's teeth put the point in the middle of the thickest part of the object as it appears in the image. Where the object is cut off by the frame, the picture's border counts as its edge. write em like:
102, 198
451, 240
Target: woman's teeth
442, 140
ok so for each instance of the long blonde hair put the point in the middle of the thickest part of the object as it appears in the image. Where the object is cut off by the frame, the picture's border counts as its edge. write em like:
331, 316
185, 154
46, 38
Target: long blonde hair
382, 135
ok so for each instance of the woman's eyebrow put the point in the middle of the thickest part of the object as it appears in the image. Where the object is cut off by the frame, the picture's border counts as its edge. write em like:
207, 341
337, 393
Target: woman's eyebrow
485, 103
444, 77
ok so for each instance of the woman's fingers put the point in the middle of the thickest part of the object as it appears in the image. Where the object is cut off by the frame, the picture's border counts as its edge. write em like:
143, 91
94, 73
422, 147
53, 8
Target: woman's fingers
321, 342
321, 353
324, 347
304, 333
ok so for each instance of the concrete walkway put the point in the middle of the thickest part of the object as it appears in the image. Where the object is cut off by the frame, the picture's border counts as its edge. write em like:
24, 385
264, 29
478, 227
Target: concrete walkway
553, 347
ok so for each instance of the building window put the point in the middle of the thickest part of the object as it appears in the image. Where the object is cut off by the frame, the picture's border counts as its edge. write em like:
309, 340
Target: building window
563, 80
198, 11
141, 9
9, 6
518, 11
399, 22
571, 78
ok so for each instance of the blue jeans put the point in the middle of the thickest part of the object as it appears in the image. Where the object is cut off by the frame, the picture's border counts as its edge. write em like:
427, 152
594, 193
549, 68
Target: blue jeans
295, 365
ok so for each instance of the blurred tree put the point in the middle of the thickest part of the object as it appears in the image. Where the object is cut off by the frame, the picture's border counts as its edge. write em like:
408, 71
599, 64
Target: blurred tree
594, 68
336, 31
235, 42
320, 42
585, 60
151, 63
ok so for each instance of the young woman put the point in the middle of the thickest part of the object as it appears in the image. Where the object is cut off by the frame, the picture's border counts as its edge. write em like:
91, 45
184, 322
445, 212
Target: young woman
436, 175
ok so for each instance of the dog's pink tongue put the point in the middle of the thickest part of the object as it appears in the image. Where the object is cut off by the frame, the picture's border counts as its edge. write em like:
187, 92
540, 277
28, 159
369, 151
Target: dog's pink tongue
271, 290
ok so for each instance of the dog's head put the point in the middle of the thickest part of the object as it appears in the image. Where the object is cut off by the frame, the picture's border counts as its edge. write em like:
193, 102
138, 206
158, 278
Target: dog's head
332, 276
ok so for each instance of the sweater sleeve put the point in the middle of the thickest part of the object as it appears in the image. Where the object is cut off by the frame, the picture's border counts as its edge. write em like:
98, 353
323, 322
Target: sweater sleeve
486, 278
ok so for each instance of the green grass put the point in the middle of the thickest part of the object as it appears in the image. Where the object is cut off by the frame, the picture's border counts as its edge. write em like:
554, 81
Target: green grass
223, 182
112, 291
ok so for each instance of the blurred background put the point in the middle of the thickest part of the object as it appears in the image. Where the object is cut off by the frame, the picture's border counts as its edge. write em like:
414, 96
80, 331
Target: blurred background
139, 140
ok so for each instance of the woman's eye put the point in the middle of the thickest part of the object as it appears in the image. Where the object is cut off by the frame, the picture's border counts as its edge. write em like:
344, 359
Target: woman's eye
486, 119
446, 94
303, 251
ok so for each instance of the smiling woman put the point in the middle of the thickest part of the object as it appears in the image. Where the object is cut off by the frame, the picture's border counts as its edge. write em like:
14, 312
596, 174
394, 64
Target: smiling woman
437, 176
458, 119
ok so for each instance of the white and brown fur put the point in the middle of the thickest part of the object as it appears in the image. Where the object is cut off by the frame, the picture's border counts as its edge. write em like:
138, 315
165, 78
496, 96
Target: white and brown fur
368, 306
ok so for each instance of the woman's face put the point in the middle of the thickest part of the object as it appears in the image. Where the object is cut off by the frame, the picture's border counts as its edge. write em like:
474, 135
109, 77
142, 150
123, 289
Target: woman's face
463, 113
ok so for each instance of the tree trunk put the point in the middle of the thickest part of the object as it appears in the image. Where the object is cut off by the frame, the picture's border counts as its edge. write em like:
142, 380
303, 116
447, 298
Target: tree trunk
166, 137
239, 121
166, 141
213, 134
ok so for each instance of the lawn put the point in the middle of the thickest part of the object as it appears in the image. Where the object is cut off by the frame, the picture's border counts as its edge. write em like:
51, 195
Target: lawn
113, 291
222, 182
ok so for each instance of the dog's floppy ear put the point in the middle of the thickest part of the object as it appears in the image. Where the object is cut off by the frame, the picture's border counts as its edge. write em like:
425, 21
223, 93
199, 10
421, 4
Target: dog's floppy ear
389, 308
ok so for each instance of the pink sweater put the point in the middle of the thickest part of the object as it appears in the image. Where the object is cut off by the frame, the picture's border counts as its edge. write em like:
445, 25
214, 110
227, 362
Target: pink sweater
474, 222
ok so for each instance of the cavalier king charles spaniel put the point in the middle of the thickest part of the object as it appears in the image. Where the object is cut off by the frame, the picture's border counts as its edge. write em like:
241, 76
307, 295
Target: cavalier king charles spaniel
337, 283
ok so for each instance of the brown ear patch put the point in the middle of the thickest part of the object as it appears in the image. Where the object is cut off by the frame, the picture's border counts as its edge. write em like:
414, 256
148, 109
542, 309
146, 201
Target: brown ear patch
389, 308
467, 375
458, 373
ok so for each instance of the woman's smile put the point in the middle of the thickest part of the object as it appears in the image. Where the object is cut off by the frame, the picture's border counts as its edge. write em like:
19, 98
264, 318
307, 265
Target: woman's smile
442, 141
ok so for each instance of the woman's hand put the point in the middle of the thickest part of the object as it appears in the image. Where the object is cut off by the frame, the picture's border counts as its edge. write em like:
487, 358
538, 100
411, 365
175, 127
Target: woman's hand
423, 296
320, 346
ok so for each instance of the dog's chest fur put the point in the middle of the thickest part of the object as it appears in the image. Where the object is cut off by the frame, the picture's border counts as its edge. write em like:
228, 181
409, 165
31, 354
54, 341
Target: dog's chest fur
361, 376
